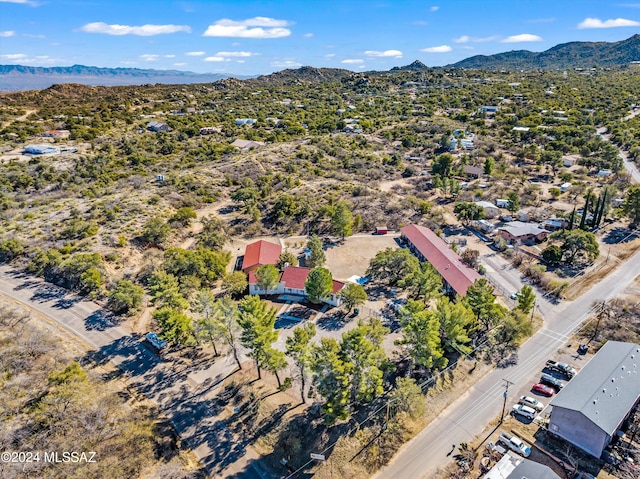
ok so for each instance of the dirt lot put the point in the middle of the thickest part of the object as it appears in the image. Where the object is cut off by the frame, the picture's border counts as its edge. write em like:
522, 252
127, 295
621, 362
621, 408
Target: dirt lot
353, 256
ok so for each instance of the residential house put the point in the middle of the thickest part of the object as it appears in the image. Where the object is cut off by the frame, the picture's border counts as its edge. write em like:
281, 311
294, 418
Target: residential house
489, 109
428, 246
210, 130
473, 171
592, 407
564, 187
292, 282
246, 144
604, 173
502, 203
518, 232
260, 253
40, 149
569, 161
490, 210
157, 126
512, 466
245, 121
555, 224
520, 128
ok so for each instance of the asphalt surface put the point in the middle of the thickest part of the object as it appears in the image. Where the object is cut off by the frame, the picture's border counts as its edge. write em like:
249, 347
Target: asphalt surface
469, 415
185, 401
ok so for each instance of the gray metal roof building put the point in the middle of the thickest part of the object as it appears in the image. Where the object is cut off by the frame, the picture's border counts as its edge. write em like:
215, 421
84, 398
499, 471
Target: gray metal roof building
512, 466
589, 410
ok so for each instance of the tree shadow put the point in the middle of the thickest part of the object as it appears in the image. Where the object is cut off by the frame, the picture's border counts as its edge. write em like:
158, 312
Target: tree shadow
332, 322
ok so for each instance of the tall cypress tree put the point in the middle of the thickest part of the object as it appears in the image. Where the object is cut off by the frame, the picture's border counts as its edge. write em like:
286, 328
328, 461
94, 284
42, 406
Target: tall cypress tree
585, 211
572, 218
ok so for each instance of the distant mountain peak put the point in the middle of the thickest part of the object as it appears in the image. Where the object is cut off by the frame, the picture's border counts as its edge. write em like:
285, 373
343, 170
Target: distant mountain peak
416, 66
565, 55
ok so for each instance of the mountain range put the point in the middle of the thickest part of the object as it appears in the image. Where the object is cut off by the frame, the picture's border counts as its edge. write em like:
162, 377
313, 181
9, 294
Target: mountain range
564, 56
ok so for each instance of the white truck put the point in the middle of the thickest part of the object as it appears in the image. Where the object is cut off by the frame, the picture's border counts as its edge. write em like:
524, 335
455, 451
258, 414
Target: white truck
515, 444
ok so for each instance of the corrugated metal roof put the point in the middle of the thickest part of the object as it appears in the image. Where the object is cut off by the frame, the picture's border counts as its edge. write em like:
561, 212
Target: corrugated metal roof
259, 253
294, 277
605, 389
446, 261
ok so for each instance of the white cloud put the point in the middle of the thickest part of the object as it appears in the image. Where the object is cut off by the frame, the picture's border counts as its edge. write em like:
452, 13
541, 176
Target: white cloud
179, 64
7, 33
329, 55
467, 39
611, 23
23, 2
214, 59
438, 49
235, 54
14, 56
142, 30
435, 8
169, 56
352, 61
386, 53
240, 61
286, 64
523, 37
256, 27
149, 57
195, 54
308, 35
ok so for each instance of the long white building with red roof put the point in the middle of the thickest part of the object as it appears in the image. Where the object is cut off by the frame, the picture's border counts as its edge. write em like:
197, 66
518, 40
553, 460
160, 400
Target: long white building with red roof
428, 246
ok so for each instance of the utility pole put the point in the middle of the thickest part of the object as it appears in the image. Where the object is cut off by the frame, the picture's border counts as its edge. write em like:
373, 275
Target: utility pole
507, 383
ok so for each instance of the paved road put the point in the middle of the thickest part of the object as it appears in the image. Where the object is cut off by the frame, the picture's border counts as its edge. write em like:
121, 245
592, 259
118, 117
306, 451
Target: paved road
183, 392
469, 415
629, 165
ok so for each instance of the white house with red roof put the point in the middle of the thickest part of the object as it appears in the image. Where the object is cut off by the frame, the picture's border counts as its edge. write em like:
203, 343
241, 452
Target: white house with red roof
292, 282
428, 246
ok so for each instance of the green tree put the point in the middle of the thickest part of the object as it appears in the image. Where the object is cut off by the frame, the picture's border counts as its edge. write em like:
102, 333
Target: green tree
257, 320
318, 285
577, 244
526, 299
585, 211
155, 231
176, 327
332, 375
421, 336
10, 249
284, 207
457, 323
352, 295
267, 277
300, 348
424, 282
234, 284
514, 201
203, 303
184, 216
165, 290
407, 397
631, 206
91, 281
316, 256
515, 327
342, 220
362, 348
213, 235
392, 265
442, 165
552, 254
275, 362
489, 165
226, 325
467, 212
203, 263
125, 297
286, 258
555, 192
481, 299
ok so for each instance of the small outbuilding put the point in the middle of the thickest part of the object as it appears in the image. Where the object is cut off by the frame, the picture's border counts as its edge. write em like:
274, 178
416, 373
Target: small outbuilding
40, 149
490, 210
157, 126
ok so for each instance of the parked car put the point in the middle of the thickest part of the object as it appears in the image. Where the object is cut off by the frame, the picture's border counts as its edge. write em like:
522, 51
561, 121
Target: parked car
155, 341
513, 296
563, 368
543, 389
515, 444
531, 402
549, 380
524, 411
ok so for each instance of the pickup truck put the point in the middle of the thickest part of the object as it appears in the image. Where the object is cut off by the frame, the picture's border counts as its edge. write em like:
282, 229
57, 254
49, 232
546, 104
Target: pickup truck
515, 444
563, 368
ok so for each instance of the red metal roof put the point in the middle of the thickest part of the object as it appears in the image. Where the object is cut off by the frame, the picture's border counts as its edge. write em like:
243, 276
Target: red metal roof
259, 253
446, 261
337, 286
295, 277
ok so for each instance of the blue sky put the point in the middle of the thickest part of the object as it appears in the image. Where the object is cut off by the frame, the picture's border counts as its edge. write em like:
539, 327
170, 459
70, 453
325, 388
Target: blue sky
259, 37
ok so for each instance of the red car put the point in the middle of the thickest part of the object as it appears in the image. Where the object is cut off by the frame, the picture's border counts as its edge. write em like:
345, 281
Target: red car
542, 389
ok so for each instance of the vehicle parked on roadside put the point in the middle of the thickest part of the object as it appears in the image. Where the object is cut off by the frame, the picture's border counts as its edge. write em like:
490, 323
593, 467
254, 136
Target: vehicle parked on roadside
549, 380
543, 389
155, 341
524, 411
563, 368
515, 444
531, 402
